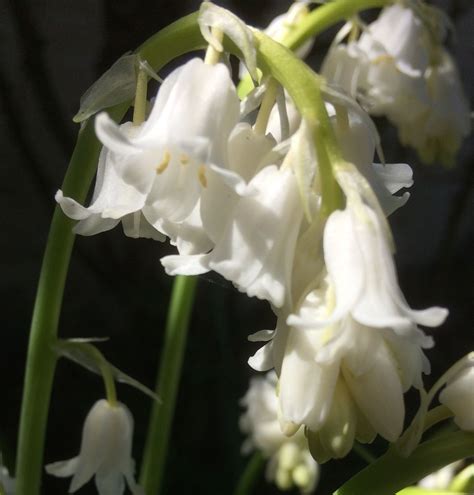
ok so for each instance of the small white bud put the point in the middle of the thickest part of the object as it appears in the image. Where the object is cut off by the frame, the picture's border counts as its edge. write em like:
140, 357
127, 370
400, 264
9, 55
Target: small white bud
458, 396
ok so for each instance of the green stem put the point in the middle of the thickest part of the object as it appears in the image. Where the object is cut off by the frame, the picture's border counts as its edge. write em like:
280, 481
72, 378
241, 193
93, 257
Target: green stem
391, 472
325, 16
436, 415
41, 360
178, 38
304, 87
139, 107
249, 477
179, 313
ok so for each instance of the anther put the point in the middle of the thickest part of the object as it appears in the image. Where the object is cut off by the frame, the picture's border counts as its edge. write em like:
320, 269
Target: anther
202, 175
164, 163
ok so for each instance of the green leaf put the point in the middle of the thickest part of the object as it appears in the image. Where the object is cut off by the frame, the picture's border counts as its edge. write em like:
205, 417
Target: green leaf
82, 352
390, 473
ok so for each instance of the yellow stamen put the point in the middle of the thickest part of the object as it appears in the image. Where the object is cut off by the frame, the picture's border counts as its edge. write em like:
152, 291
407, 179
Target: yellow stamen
382, 58
202, 175
184, 159
164, 163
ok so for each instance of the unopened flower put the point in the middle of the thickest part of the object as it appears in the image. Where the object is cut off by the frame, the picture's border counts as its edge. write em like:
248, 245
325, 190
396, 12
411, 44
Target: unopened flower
105, 452
290, 463
458, 396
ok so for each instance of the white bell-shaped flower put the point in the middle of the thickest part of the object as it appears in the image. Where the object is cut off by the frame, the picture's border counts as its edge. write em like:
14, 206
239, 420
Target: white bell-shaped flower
371, 363
458, 396
398, 68
185, 135
113, 201
257, 245
438, 130
289, 462
361, 269
358, 145
105, 452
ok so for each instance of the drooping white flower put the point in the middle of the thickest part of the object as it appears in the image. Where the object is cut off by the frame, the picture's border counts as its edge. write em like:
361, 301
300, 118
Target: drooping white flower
362, 273
113, 201
320, 364
398, 68
105, 452
186, 134
358, 145
290, 463
437, 132
458, 396
255, 250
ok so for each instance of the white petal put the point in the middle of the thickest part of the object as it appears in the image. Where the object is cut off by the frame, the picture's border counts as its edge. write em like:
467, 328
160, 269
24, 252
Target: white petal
136, 225
306, 388
186, 264
110, 483
95, 224
338, 433
261, 336
395, 176
62, 469
112, 136
378, 392
70, 207
254, 243
344, 263
262, 360
458, 396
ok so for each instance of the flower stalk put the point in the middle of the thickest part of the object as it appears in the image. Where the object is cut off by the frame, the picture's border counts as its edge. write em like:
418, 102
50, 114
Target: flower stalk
249, 477
159, 430
139, 107
41, 359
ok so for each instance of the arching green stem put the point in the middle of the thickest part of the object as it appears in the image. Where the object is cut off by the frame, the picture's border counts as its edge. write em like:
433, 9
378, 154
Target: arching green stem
326, 16
178, 38
41, 360
304, 87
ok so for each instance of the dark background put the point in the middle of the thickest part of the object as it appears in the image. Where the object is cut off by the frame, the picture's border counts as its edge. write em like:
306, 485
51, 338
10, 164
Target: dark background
51, 51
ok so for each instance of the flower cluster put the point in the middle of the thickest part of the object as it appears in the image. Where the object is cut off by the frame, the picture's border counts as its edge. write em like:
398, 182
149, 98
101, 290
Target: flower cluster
289, 461
399, 63
246, 198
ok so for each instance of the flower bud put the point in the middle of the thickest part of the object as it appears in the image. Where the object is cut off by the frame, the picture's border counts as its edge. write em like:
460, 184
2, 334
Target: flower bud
458, 396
